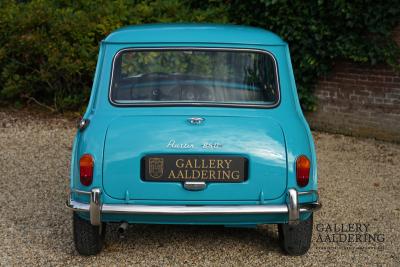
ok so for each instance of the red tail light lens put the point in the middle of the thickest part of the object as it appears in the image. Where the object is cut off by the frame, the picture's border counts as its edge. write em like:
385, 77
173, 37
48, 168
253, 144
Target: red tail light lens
86, 169
302, 170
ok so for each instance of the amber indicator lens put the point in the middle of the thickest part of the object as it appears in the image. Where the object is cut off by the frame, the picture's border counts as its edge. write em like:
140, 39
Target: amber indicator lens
86, 169
302, 170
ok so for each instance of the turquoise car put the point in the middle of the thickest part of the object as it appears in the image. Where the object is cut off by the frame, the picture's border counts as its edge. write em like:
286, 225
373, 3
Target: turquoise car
193, 124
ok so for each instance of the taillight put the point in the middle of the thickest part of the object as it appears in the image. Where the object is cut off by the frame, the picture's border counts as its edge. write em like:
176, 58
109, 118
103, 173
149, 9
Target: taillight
302, 170
86, 169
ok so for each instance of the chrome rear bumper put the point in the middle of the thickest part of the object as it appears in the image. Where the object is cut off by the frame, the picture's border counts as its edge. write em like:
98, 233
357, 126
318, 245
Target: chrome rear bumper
96, 208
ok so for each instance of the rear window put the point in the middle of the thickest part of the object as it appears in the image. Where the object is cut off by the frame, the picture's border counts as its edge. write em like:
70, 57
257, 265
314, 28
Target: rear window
194, 76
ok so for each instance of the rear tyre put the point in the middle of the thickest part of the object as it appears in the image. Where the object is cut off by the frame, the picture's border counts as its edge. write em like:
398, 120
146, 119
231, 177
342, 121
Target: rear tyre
295, 239
88, 239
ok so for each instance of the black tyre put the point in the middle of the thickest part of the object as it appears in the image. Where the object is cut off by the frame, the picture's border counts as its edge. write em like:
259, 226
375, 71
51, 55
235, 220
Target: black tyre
88, 239
295, 239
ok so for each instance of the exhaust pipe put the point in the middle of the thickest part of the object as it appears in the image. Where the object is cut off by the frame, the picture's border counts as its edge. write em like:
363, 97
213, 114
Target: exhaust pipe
122, 228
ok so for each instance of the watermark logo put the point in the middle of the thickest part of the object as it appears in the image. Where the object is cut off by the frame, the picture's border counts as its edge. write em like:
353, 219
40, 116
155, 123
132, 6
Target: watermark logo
348, 236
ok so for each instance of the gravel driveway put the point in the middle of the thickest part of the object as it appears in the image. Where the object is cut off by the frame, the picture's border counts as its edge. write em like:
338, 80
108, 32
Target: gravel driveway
359, 183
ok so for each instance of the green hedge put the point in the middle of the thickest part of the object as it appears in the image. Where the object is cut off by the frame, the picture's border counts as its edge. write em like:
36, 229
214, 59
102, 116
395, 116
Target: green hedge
48, 48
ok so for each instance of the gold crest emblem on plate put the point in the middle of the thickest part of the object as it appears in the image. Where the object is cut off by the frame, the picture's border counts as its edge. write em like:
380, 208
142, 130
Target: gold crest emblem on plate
156, 167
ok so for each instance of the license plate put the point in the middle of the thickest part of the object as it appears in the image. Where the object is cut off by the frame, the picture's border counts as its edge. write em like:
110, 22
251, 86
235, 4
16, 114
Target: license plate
206, 168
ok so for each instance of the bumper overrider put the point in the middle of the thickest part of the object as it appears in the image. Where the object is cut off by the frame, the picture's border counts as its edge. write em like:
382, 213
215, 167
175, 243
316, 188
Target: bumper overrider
95, 208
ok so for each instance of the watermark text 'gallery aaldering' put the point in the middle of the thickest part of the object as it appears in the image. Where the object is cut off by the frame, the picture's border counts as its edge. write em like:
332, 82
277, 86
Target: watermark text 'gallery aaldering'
350, 232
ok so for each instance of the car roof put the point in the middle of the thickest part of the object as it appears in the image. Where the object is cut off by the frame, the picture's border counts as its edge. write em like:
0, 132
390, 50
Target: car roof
193, 33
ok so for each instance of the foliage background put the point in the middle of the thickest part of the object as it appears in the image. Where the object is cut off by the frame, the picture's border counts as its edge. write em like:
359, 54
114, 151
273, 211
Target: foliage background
48, 48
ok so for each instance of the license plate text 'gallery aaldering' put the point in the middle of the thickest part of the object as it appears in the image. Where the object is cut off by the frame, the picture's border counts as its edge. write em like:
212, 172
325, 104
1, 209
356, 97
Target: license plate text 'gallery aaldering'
194, 168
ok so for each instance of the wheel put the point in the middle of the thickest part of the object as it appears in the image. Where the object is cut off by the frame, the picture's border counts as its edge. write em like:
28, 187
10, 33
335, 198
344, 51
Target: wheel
295, 239
88, 239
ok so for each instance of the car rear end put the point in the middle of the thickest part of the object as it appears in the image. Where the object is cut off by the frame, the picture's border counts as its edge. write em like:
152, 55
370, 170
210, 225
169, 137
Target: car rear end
194, 134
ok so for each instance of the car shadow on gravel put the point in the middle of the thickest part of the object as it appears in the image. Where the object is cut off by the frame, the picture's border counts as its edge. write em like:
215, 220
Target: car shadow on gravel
147, 237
